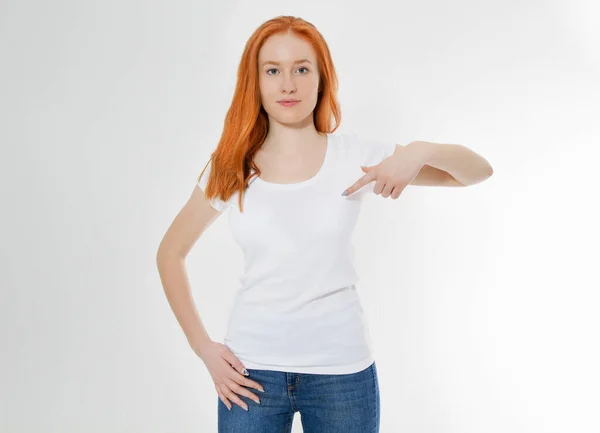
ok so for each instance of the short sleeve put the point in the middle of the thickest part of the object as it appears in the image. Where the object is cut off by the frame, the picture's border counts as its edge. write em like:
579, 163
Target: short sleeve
371, 152
215, 202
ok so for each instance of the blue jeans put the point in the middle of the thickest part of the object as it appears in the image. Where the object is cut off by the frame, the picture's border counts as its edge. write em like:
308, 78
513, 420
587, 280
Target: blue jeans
331, 403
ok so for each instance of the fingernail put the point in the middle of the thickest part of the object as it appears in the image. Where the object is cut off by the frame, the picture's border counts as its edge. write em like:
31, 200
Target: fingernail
345, 193
261, 390
245, 372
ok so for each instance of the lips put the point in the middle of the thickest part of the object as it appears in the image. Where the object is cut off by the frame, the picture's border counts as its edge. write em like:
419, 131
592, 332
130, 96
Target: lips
287, 103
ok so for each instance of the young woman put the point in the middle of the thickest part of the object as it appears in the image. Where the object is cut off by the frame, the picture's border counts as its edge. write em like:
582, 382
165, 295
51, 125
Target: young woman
297, 340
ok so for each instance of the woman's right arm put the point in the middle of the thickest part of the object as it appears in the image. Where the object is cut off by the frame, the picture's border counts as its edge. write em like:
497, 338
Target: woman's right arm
226, 369
193, 219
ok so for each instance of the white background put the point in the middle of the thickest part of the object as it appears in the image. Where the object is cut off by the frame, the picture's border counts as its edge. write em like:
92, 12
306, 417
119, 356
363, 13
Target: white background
482, 301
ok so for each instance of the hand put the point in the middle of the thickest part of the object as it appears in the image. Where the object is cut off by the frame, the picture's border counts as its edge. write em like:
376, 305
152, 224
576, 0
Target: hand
392, 174
226, 371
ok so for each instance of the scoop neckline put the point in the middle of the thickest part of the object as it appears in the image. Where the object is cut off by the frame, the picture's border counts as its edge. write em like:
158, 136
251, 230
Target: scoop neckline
303, 183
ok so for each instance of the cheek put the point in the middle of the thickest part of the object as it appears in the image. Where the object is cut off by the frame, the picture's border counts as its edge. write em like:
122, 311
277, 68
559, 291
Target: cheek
266, 87
314, 88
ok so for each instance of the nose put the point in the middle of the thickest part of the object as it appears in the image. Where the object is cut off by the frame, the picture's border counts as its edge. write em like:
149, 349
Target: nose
288, 84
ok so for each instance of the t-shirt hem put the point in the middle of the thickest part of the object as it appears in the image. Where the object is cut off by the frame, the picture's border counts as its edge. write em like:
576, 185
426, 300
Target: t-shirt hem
327, 369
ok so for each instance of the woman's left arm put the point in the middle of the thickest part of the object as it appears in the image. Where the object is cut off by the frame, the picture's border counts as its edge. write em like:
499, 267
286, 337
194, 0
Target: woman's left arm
426, 164
442, 161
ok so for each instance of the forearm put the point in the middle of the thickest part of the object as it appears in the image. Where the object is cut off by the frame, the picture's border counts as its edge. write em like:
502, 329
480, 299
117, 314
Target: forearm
176, 286
466, 166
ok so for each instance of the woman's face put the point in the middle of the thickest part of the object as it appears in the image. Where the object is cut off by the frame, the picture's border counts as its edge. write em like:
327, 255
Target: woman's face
296, 76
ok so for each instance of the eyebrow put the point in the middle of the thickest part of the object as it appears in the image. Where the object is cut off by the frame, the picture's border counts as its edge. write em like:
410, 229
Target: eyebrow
277, 63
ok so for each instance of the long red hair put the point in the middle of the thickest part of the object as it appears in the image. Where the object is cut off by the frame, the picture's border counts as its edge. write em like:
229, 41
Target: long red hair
247, 123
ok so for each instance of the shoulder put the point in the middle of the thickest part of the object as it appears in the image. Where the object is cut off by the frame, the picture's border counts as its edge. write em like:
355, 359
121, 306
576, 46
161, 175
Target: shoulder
216, 202
364, 150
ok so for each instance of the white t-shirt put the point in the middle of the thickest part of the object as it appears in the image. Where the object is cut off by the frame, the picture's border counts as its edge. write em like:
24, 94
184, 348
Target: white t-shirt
297, 308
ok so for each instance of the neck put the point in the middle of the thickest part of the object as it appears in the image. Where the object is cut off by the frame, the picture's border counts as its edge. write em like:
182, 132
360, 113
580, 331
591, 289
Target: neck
290, 140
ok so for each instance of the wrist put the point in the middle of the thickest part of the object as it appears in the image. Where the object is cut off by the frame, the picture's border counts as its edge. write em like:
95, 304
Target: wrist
200, 345
422, 150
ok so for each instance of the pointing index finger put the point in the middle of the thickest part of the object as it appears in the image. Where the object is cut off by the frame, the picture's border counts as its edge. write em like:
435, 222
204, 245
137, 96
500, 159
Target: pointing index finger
358, 184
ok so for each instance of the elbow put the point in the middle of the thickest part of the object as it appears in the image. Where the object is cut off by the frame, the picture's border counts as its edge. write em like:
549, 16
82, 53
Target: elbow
486, 173
166, 254
160, 252
163, 253
483, 175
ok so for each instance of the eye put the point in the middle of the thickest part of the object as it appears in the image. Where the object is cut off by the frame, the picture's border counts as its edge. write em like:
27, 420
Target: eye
274, 69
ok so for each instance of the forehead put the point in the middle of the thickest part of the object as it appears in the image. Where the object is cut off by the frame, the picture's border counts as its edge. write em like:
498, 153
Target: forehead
286, 48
